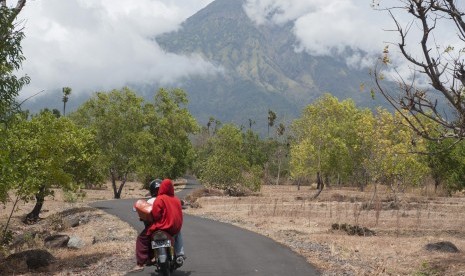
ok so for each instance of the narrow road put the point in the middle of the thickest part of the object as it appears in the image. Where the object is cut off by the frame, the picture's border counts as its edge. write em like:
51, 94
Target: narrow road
215, 248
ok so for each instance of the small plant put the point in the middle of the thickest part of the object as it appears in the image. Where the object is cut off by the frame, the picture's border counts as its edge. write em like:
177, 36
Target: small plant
57, 223
7, 237
72, 197
426, 270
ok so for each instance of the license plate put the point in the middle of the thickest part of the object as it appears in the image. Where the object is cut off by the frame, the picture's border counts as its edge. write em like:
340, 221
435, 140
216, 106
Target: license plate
162, 243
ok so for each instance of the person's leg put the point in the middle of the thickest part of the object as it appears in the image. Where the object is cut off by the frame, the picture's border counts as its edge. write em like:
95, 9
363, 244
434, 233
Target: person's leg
142, 248
178, 245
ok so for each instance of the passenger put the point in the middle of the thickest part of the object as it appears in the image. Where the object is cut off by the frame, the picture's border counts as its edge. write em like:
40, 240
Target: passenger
143, 250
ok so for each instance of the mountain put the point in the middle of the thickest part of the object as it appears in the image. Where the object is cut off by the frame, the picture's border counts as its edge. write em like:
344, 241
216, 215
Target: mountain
262, 68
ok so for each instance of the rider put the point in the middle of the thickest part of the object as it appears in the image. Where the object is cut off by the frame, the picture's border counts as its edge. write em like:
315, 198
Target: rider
143, 252
167, 215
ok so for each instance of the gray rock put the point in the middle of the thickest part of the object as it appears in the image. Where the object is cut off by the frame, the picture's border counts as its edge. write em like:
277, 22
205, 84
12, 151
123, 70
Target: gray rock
56, 241
72, 221
444, 246
75, 243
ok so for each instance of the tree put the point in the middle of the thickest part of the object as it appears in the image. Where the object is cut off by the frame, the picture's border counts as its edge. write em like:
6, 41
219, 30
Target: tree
271, 119
138, 138
11, 58
171, 123
47, 152
117, 117
441, 66
66, 93
447, 164
393, 160
325, 140
225, 162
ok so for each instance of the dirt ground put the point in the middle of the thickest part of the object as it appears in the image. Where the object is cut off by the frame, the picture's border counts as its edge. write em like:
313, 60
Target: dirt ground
392, 240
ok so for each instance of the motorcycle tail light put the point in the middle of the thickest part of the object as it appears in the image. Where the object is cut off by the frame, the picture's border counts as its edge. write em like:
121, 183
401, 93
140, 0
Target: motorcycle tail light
160, 236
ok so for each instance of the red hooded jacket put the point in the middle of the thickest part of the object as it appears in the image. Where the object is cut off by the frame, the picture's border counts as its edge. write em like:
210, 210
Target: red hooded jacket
166, 210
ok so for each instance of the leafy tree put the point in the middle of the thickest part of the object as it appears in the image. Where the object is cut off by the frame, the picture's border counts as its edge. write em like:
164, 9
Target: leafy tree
325, 140
171, 124
434, 89
135, 137
224, 166
118, 120
11, 58
255, 150
47, 152
393, 161
447, 164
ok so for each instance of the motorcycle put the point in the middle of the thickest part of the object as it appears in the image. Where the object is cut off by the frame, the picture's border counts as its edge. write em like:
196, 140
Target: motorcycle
165, 259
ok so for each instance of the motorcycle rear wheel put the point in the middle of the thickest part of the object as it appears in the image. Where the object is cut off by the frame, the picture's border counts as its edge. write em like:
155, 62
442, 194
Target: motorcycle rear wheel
165, 269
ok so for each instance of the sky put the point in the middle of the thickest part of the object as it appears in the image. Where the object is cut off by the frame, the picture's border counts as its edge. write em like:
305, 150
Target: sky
94, 45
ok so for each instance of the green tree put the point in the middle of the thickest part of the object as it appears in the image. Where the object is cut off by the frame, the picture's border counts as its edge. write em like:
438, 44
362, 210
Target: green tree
118, 119
138, 138
11, 58
171, 123
447, 164
224, 166
47, 152
393, 160
325, 140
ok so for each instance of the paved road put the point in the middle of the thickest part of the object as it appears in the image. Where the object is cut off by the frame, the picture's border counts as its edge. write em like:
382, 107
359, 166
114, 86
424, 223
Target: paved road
215, 248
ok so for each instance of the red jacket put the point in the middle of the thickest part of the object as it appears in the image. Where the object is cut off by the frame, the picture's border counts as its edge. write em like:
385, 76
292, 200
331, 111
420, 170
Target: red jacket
166, 210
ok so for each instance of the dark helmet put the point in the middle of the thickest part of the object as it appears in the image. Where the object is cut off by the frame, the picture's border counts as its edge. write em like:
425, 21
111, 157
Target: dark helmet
154, 186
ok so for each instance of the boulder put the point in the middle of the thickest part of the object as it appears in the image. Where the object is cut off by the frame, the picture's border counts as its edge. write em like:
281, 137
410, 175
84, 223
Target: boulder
444, 246
36, 260
56, 241
75, 243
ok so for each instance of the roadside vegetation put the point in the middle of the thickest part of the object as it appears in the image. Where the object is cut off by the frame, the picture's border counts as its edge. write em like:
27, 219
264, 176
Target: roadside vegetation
358, 187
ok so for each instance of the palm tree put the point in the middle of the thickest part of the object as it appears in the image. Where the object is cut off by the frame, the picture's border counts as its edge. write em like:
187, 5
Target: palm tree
271, 118
66, 93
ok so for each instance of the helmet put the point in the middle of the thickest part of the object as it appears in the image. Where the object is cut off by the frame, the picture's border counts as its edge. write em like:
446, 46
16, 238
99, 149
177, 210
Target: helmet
154, 186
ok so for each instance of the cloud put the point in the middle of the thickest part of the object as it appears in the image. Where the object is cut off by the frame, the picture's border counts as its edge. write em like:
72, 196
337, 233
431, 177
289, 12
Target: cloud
330, 27
325, 27
104, 44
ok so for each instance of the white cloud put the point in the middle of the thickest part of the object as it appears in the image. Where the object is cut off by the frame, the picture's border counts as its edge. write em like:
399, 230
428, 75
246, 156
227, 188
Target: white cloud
329, 27
104, 44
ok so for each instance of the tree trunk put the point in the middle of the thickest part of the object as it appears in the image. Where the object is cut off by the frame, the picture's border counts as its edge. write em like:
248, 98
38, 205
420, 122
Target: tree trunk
319, 185
279, 171
123, 181
436, 184
33, 216
116, 195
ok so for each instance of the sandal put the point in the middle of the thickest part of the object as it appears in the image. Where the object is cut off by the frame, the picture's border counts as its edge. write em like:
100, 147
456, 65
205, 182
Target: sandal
137, 268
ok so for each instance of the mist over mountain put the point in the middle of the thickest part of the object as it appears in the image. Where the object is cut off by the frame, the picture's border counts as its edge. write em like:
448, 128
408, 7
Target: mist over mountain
259, 66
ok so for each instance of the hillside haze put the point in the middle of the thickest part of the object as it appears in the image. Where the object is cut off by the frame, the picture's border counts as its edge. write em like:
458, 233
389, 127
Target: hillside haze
262, 69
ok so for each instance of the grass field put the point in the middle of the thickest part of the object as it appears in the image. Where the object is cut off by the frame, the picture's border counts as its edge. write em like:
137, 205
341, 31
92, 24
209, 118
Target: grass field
389, 238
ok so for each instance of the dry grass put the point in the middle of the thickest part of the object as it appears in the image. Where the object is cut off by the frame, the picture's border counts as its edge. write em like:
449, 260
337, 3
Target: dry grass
109, 242
290, 217
402, 230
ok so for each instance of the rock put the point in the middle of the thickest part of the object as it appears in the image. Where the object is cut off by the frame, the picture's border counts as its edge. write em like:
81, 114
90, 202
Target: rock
22, 262
442, 246
72, 221
75, 243
56, 241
